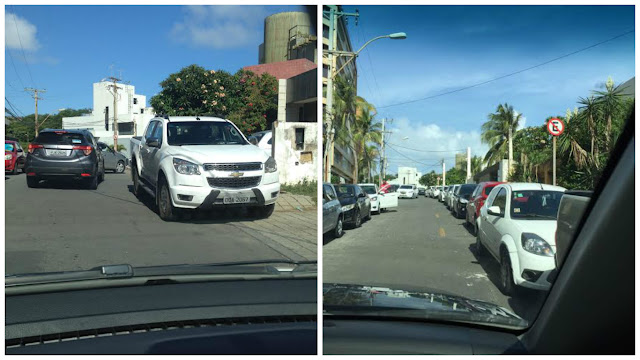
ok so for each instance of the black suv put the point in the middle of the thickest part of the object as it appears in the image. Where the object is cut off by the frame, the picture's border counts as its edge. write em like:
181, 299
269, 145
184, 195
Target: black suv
64, 154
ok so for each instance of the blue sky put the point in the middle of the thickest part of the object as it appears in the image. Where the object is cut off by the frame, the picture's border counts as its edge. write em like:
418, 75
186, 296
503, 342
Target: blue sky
449, 47
67, 48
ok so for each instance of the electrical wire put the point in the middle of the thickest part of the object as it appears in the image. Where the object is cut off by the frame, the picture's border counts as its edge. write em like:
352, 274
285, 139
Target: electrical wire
426, 151
508, 75
15, 22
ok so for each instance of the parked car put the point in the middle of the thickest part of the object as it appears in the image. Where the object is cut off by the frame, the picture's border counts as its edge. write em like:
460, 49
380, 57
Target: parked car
443, 193
332, 218
462, 199
421, 190
450, 195
476, 201
436, 192
517, 227
14, 157
408, 192
113, 161
380, 201
188, 162
64, 154
356, 205
263, 140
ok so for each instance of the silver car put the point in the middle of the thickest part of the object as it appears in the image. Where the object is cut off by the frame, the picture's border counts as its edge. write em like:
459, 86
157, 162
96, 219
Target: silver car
113, 160
332, 218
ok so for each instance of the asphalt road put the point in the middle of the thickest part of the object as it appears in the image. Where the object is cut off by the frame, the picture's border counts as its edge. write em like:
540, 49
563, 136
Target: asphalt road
59, 227
420, 246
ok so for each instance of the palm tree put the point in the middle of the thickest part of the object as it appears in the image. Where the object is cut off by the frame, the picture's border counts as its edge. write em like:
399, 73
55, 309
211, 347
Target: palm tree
476, 164
590, 110
498, 132
569, 143
369, 161
609, 101
365, 130
344, 110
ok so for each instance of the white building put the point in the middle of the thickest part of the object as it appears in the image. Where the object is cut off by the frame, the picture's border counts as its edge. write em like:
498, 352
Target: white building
133, 114
408, 176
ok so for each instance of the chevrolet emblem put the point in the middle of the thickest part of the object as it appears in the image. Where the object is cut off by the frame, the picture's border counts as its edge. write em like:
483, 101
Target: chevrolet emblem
236, 174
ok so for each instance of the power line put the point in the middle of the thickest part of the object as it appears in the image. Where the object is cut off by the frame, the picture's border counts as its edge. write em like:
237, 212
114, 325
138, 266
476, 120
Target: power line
507, 75
410, 159
426, 151
14, 67
15, 22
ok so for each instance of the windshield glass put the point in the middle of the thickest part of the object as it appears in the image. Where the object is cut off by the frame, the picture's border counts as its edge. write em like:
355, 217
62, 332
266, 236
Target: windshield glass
8, 147
345, 190
371, 190
406, 187
203, 133
514, 129
535, 204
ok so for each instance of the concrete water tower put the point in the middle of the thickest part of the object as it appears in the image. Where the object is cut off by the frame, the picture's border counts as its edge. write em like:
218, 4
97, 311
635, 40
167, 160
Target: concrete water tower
288, 36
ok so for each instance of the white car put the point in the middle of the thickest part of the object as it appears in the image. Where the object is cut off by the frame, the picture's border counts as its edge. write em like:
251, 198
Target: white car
436, 192
408, 192
263, 139
517, 227
451, 195
443, 193
189, 162
379, 201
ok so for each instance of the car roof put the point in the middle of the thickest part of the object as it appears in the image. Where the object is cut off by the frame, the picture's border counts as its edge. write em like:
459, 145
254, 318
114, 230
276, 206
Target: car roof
191, 118
534, 186
491, 183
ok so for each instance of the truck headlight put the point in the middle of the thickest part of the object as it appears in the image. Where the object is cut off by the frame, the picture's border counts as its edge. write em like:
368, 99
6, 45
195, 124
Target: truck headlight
7, 157
185, 167
535, 244
348, 207
270, 165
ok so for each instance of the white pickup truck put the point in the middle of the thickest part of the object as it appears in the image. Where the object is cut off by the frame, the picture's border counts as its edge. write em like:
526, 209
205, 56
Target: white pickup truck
201, 163
380, 201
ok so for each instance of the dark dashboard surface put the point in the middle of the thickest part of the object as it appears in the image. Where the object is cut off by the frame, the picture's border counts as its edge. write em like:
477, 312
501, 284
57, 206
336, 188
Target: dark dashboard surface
189, 318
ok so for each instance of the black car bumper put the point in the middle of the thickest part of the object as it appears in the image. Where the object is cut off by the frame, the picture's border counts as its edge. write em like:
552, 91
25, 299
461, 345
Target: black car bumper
349, 217
52, 169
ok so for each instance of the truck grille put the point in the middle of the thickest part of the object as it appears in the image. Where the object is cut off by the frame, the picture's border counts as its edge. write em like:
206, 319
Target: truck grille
235, 183
234, 166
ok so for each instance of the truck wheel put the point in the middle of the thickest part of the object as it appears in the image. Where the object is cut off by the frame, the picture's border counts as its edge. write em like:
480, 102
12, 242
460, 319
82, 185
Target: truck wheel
32, 181
167, 211
120, 167
136, 180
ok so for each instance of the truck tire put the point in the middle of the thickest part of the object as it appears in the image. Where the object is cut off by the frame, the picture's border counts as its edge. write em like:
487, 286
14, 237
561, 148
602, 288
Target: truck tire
166, 210
137, 191
32, 181
264, 212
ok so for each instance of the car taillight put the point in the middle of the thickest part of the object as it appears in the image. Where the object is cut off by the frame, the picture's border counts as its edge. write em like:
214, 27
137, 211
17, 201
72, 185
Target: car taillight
86, 149
33, 147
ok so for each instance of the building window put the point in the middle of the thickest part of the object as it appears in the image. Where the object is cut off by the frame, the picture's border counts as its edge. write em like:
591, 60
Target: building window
125, 128
299, 138
135, 101
141, 111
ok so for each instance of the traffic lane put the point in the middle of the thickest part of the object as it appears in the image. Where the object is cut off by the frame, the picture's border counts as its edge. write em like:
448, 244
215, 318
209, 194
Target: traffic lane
420, 245
61, 227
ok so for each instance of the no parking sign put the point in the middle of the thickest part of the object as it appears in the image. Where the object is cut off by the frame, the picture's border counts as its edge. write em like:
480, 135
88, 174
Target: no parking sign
555, 127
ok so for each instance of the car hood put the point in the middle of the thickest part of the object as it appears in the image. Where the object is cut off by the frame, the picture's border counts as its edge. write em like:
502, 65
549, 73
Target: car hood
347, 200
546, 229
219, 153
340, 298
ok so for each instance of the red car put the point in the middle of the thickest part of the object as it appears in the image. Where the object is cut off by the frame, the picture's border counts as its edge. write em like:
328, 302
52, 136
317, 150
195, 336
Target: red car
13, 157
476, 201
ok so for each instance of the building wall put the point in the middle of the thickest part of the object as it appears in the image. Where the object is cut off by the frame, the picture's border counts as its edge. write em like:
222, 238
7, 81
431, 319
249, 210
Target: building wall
296, 164
408, 176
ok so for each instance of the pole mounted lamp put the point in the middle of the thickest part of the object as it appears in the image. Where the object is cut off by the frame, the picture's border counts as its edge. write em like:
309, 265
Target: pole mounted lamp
394, 36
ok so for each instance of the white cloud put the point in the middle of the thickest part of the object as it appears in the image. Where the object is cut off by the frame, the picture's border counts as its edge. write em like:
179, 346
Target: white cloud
428, 137
220, 27
19, 31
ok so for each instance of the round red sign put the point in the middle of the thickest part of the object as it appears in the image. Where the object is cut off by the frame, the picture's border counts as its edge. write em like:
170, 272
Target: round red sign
555, 127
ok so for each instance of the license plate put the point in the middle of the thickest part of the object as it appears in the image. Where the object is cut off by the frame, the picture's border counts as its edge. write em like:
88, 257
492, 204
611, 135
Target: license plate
57, 152
235, 200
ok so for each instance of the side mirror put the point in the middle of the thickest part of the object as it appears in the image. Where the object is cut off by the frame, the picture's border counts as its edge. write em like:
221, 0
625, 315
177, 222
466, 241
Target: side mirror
20, 150
361, 195
152, 143
494, 210
253, 140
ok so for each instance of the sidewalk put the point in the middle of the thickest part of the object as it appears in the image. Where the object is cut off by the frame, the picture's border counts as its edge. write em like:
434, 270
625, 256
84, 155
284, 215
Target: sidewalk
290, 202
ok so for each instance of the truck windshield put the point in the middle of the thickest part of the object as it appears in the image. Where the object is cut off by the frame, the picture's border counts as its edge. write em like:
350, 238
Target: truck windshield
203, 133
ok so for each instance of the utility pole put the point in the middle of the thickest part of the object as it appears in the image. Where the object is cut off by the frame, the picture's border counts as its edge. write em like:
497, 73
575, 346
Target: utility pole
444, 175
114, 92
36, 98
468, 164
382, 157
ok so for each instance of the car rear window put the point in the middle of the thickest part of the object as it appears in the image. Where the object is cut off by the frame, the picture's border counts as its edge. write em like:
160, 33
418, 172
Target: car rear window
61, 138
